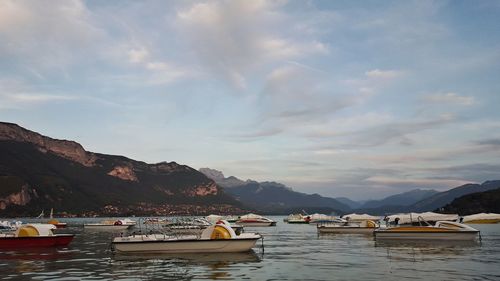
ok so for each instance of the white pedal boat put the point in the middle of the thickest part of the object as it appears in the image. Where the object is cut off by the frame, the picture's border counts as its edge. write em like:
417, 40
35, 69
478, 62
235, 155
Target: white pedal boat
219, 238
442, 230
346, 227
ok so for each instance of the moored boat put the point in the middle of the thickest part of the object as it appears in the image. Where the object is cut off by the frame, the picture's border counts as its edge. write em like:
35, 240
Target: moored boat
360, 217
442, 230
298, 219
110, 225
34, 235
482, 218
322, 219
416, 218
255, 220
347, 227
219, 238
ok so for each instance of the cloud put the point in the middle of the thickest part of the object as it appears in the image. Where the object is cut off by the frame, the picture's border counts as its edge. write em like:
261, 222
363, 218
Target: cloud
382, 74
475, 172
450, 98
489, 142
233, 38
416, 182
138, 55
15, 94
46, 37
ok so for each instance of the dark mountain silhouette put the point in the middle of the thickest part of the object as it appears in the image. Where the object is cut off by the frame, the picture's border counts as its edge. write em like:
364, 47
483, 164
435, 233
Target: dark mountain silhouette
38, 172
480, 202
401, 199
273, 197
441, 199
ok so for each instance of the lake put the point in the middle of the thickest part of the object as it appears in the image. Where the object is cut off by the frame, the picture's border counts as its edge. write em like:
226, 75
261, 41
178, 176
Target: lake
291, 252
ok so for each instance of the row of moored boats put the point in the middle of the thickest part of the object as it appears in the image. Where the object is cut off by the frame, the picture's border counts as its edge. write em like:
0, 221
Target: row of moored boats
225, 234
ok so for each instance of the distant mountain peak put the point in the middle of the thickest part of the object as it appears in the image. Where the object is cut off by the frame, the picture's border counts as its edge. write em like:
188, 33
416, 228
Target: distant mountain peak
271, 196
214, 174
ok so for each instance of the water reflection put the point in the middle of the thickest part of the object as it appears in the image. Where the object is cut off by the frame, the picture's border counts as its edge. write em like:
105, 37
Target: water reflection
183, 266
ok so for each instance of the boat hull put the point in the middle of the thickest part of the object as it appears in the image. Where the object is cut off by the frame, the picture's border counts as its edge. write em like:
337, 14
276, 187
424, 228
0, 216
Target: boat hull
298, 222
106, 227
426, 235
483, 221
186, 246
59, 240
345, 230
250, 224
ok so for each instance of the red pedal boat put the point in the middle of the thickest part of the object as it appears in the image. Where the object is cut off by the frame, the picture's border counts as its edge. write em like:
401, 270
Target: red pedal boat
34, 235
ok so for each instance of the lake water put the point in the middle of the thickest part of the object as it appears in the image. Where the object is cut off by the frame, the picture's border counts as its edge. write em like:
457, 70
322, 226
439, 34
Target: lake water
291, 252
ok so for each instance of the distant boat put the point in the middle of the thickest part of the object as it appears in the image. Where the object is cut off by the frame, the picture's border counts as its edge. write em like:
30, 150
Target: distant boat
110, 225
360, 217
347, 227
255, 220
321, 218
298, 218
482, 218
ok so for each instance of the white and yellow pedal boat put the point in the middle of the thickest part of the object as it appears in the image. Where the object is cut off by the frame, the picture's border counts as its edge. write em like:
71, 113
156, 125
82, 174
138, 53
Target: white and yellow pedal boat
219, 238
442, 230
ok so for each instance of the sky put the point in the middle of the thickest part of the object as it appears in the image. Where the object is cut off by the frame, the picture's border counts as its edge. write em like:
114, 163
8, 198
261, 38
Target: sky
343, 98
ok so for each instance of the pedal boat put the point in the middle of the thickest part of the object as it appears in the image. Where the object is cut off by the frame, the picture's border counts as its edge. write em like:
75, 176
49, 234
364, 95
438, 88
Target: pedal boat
34, 235
219, 238
442, 230
255, 220
346, 227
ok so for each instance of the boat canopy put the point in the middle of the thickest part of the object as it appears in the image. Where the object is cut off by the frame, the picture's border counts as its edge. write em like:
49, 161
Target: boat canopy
360, 217
251, 216
405, 218
321, 217
482, 216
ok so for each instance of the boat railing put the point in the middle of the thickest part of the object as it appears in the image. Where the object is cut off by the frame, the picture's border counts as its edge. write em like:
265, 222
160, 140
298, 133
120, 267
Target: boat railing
421, 220
171, 228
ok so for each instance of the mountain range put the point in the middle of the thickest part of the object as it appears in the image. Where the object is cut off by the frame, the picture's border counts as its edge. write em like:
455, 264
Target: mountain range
277, 198
273, 197
38, 172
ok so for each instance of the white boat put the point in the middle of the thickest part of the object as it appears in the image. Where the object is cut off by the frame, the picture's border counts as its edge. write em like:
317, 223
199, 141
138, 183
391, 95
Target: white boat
255, 220
321, 218
219, 238
298, 219
442, 230
414, 218
482, 218
110, 225
216, 218
360, 217
347, 227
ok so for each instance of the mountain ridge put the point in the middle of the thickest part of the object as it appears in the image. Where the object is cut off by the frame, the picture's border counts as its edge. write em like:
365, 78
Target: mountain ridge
38, 172
269, 196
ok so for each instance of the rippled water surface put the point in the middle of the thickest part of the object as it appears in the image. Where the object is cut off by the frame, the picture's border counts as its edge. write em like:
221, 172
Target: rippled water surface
291, 252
